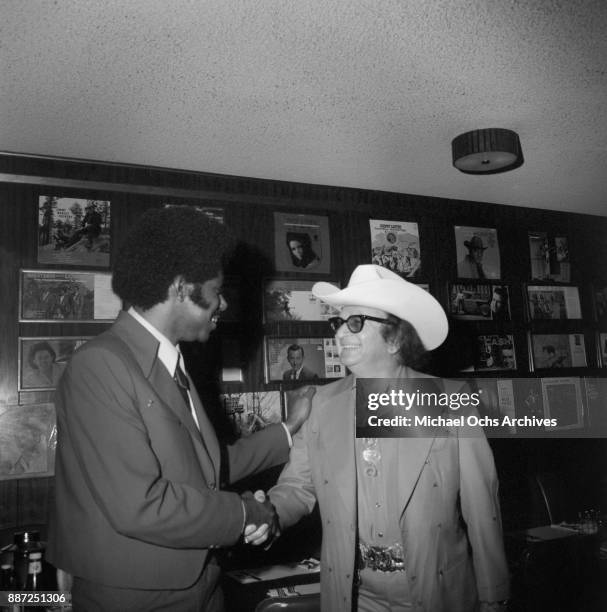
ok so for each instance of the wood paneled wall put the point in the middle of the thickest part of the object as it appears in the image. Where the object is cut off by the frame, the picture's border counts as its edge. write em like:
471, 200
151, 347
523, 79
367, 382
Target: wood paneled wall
249, 205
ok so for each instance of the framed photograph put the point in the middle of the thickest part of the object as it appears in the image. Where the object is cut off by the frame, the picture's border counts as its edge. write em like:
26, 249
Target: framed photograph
395, 245
301, 360
292, 300
495, 352
479, 301
563, 402
252, 411
42, 360
549, 257
302, 243
600, 304
28, 436
549, 302
63, 296
74, 231
602, 349
478, 254
549, 351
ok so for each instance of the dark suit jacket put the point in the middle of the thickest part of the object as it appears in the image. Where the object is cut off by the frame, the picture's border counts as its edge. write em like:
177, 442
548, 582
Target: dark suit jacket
137, 500
305, 374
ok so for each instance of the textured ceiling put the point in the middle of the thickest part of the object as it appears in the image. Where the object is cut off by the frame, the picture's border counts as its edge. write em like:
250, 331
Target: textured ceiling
355, 93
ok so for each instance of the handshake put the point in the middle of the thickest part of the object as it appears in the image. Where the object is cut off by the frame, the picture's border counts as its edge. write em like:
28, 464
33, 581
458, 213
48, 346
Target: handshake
261, 520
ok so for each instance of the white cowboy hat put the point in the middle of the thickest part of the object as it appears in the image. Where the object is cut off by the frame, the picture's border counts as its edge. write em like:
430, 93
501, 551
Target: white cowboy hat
377, 287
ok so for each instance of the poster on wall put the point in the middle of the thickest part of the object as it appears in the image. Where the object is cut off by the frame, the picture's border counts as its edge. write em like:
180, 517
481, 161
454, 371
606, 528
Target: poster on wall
495, 352
28, 437
479, 301
477, 251
563, 402
549, 257
553, 302
395, 245
43, 360
64, 296
292, 300
252, 411
74, 231
301, 360
301, 243
558, 351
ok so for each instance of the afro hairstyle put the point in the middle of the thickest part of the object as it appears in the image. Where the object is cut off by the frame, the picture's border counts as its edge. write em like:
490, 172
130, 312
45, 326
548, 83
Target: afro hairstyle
163, 244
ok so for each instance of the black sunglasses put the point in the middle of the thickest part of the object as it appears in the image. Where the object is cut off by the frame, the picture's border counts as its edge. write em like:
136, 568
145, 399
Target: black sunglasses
355, 322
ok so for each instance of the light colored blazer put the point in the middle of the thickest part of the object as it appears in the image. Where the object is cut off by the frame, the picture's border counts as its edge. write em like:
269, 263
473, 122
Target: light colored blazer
137, 500
433, 476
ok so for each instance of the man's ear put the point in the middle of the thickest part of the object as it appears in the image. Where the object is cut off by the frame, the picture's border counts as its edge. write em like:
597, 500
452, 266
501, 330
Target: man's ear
177, 288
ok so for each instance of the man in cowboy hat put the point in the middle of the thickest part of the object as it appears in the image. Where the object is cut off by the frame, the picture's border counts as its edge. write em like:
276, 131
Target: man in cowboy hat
393, 509
472, 264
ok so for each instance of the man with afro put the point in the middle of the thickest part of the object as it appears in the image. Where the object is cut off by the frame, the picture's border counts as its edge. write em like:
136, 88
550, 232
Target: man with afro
138, 507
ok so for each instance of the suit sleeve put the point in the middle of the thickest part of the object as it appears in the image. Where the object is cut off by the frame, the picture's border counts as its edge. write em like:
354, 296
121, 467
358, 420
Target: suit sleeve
262, 450
103, 425
294, 494
481, 512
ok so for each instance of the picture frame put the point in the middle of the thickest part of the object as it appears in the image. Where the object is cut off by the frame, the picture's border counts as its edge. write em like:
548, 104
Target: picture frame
495, 352
42, 360
292, 300
252, 411
28, 437
74, 231
553, 351
63, 296
477, 252
549, 257
563, 402
600, 304
319, 360
395, 245
479, 301
302, 243
602, 349
553, 302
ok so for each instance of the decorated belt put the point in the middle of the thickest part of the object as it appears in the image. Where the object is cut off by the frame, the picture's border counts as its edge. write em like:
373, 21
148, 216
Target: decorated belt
381, 558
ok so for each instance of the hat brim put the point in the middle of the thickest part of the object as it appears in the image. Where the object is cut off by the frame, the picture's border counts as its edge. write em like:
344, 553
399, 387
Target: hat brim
400, 298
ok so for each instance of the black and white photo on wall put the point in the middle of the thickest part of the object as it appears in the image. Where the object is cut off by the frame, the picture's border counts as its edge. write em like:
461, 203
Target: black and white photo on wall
549, 256
477, 252
553, 302
495, 352
252, 411
67, 297
563, 402
395, 245
550, 351
42, 360
298, 360
292, 300
302, 243
479, 301
74, 231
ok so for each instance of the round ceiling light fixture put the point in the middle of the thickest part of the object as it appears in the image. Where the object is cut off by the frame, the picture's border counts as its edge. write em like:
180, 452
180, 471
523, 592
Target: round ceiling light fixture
487, 151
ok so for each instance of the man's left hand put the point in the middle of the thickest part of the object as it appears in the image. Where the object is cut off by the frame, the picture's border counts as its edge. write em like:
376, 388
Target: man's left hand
299, 406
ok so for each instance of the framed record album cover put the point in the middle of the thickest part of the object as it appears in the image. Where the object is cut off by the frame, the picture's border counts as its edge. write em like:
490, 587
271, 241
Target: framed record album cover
552, 302
292, 300
296, 360
395, 245
61, 296
73, 231
549, 256
477, 251
549, 351
302, 243
479, 301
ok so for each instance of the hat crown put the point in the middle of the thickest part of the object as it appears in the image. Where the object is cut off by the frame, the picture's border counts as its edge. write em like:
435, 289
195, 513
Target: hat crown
366, 273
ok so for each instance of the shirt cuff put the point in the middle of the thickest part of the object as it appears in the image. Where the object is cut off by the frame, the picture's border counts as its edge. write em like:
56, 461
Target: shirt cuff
289, 438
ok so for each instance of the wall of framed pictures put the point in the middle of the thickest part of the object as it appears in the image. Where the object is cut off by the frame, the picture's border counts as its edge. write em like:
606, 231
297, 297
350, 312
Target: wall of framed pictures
516, 283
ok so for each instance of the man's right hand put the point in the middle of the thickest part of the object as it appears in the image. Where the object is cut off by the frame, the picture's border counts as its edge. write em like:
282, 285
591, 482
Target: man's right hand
257, 512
